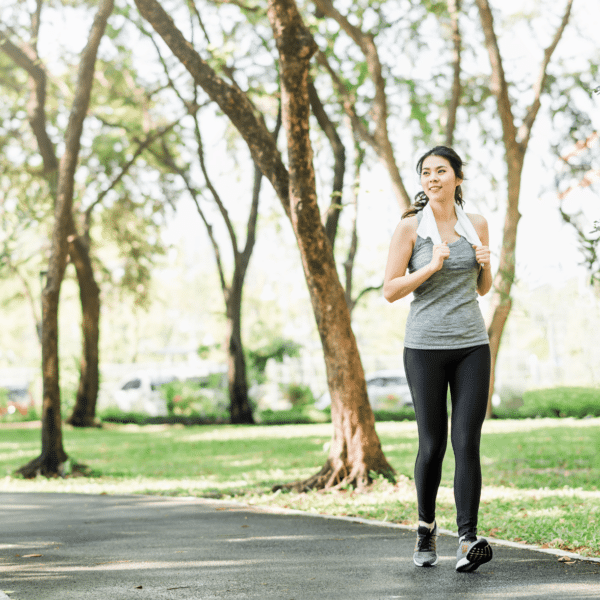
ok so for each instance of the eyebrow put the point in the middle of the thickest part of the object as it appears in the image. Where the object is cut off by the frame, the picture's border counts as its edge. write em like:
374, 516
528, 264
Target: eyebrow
438, 167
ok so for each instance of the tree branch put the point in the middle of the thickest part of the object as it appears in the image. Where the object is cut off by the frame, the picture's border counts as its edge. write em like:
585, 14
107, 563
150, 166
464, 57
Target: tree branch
332, 216
142, 145
381, 138
524, 132
499, 85
232, 101
25, 56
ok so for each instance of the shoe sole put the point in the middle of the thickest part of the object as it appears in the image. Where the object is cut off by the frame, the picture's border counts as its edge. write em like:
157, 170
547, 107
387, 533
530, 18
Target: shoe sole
426, 564
479, 554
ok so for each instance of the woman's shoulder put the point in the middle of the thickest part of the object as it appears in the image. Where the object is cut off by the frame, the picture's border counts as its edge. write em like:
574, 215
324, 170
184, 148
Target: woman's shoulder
480, 224
408, 226
477, 219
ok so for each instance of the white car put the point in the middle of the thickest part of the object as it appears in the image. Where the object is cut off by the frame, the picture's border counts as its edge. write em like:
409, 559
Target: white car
140, 392
387, 390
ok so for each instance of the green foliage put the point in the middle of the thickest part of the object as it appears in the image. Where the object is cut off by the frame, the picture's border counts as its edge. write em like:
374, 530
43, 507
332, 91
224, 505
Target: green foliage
578, 402
294, 416
298, 395
204, 398
405, 413
276, 349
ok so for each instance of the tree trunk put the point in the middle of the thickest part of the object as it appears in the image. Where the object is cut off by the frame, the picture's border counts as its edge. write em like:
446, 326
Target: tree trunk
84, 411
355, 449
501, 303
53, 456
240, 410
454, 10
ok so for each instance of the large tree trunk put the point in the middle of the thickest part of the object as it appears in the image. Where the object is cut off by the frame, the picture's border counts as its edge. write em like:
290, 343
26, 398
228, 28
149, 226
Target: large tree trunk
53, 456
356, 449
84, 411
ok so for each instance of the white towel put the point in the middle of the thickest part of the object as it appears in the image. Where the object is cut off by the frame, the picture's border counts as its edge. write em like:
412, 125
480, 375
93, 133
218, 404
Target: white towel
428, 227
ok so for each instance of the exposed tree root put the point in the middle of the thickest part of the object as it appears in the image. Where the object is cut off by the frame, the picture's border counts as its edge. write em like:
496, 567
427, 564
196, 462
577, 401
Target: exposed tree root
50, 469
340, 476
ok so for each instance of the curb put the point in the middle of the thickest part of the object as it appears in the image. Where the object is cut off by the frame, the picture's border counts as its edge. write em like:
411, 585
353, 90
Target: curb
496, 541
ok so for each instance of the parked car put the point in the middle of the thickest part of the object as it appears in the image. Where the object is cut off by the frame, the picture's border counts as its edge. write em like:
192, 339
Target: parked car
140, 392
15, 398
387, 390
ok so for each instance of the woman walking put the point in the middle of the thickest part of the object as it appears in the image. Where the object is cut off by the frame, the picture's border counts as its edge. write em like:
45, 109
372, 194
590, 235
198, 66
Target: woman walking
446, 254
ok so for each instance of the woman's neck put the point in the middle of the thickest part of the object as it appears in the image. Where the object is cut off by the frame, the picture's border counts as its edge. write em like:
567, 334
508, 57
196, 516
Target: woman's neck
443, 212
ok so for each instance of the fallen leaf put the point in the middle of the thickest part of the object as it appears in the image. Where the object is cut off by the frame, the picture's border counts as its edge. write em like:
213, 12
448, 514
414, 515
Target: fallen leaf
566, 559
31, 555
139, 587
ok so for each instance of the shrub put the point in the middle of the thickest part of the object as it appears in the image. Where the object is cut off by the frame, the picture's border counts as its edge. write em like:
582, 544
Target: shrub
194, 399
578, 402
298, 395
406, 413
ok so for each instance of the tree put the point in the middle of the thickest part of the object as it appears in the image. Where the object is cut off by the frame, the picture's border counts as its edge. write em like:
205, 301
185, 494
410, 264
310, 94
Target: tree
53, 456
356, 450
516, 140
26, 56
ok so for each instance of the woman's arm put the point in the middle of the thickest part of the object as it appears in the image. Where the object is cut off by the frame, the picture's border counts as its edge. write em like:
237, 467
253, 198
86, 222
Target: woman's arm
397, 284
482, 254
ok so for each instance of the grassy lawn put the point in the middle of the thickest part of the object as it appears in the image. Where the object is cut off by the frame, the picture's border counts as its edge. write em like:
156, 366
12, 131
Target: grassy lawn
540, 476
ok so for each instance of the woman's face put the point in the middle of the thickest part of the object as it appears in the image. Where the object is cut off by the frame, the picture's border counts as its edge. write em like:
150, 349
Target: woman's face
438, 179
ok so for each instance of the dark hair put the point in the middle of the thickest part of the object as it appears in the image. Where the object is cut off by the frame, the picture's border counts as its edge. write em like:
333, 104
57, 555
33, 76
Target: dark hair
456, 163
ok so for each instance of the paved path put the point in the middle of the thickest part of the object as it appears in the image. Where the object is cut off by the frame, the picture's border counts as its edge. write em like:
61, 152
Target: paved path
71, 546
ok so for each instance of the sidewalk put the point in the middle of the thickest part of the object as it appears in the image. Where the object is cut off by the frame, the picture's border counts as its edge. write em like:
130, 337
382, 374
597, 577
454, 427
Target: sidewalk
80, 547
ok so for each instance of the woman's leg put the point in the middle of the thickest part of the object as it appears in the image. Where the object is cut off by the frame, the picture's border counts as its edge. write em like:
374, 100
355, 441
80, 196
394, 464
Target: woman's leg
469, 388
428, 384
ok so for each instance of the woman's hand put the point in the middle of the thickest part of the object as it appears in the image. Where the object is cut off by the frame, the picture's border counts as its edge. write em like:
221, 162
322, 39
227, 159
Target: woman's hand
440, 253
482, 255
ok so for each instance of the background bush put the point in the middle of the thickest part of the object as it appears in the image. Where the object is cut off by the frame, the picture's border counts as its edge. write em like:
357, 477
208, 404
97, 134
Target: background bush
578, 402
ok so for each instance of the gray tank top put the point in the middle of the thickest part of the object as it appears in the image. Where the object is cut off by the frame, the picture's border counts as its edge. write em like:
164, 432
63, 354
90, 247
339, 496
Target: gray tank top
444, 312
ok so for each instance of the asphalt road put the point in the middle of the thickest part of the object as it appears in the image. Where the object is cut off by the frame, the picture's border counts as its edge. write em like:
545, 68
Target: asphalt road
70, 546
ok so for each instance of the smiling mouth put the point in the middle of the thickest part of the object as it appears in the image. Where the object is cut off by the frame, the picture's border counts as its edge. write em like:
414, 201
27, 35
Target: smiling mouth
434, 189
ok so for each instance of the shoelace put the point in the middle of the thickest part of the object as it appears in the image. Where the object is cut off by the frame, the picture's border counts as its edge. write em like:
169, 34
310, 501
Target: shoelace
426, 543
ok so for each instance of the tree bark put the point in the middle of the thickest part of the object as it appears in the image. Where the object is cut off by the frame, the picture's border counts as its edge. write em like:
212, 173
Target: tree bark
240, 410
84, 411
456, 93
355, 449
332, 215
52, 458
516, 140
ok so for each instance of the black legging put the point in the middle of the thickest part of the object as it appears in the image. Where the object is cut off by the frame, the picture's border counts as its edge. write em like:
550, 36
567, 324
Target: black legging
429, 373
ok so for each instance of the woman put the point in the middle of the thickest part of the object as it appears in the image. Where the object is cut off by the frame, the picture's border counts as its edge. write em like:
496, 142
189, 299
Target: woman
445, 251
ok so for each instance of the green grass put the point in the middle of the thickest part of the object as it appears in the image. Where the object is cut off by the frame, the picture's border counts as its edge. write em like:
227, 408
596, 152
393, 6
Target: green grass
540, 476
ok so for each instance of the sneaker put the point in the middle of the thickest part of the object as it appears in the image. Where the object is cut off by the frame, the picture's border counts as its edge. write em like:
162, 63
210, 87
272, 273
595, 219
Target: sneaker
472, 553
425, 553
